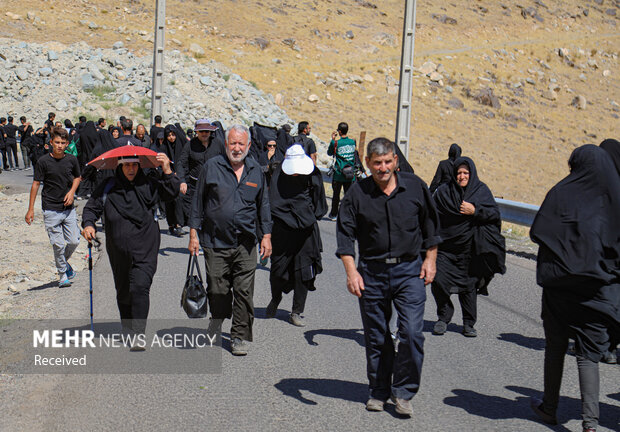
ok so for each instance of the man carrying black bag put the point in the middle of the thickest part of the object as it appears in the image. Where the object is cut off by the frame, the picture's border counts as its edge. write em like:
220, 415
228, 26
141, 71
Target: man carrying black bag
194, 297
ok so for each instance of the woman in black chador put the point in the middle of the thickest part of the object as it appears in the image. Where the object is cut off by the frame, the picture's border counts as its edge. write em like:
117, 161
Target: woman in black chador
174, 141
472, 248
129, 201
297, 200
445, 168
578, 232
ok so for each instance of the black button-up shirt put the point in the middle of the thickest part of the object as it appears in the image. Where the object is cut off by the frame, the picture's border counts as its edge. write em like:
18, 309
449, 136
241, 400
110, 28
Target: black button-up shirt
225, 210
398, 225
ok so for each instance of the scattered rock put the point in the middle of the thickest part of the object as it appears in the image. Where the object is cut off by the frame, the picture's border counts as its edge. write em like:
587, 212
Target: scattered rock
118, 45
61, 105
349, 34
435, 76
45, 71
606, 73
176, 41
550, 95
206, 81
444, 19
21, 74
93, 26
368, 78
313, 98
530, 81
579, 102
261, 42
30, 15
427, 68
196, 49
456, 103
124, 100
384, 39
120, 75
610, 12
488, 98
87, 81
289, 42
51, 55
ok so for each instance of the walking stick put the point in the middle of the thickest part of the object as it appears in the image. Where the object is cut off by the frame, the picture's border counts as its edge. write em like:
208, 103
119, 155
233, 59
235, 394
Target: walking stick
90, 276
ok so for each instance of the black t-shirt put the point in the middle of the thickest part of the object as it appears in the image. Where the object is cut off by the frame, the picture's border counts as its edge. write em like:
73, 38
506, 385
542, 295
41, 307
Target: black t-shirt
154, 131
57, 176
307, 143
11, 131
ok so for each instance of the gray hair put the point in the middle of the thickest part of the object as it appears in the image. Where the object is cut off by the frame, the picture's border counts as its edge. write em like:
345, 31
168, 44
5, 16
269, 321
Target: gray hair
379, 147
238, 128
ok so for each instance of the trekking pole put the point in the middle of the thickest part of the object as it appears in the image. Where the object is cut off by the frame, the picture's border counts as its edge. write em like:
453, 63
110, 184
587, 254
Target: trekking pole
90, 276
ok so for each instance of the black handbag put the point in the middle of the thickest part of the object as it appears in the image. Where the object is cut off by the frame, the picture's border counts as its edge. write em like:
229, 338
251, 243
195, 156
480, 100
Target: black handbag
194, 297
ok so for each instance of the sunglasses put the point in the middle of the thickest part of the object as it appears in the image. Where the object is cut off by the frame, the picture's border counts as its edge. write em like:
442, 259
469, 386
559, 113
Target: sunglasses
271, 145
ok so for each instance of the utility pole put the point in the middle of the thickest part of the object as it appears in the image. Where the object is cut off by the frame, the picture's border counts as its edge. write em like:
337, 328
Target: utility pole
157, 88
405, 88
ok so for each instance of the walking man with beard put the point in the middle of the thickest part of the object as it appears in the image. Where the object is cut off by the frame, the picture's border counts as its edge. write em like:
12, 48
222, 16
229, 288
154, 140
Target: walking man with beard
230, 207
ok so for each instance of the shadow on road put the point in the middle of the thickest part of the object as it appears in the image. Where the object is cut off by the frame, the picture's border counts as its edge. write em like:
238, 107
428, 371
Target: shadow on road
356, 335
44, 286
333, 388
500, 408
534, 343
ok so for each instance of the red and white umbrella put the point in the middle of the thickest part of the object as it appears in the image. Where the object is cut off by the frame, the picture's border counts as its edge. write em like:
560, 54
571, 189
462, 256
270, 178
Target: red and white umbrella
109, 160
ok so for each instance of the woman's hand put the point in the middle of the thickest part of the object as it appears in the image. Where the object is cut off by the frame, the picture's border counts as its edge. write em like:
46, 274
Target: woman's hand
467, 208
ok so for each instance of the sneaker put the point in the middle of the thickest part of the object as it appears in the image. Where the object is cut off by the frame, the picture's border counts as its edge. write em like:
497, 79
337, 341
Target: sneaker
296, 320
271, 310
374, 405
537, 407
64, 281
239, 347
469, 331
403, 406
332, 218
440, 328
70, 272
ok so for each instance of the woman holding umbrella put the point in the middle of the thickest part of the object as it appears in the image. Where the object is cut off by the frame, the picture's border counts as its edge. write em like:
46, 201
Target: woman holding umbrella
128, 202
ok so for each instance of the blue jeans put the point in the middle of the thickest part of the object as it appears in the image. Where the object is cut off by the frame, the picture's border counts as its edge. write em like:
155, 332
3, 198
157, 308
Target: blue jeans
389, 372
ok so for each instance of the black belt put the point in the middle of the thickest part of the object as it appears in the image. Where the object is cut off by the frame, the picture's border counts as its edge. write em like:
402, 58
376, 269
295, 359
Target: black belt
396, 260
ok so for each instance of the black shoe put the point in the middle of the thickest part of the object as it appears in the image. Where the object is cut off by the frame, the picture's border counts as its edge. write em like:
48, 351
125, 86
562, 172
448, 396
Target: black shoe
440, 328
536, 405
272, 308
469, 331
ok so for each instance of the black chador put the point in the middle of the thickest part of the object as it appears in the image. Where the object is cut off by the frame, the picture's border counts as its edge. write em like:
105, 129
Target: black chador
132, 236
89, 140
473, 249
578, 232
297, 202
445, 168
174, 209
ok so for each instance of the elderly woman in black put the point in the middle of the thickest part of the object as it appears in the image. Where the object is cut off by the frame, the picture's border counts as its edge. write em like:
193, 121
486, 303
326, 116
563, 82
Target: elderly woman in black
578, 232
129, 201
472, 248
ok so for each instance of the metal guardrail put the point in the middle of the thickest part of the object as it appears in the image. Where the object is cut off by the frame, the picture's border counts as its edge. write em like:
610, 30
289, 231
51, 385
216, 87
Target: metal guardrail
511, 211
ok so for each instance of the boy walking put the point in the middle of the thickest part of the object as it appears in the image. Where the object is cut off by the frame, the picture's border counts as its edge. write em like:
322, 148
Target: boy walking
60, 174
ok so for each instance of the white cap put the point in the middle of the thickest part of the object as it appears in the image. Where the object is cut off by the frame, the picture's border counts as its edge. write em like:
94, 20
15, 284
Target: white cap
296, 161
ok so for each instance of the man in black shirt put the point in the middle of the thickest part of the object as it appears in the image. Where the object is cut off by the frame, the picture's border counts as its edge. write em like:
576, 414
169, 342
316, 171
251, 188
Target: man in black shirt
393, 219
60, 174
156, 128
127, 138
229, 208
5, 165
303, 130
50, 120
25, 142
10, 137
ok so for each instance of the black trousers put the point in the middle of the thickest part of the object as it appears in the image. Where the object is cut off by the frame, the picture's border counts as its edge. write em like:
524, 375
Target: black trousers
445, 308
4, 161
300, 291
174, 212
132, 280
12, 152
336, 186
230, 280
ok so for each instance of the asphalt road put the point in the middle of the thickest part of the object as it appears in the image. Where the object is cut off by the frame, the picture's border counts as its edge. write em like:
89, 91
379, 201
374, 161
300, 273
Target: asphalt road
312, 378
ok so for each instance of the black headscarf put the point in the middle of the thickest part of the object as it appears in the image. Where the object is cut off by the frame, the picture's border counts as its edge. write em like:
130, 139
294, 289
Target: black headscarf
454, 152
473, 249
612, 147
133, 200
578, 224
283, 141
89, 140
219, 135
174, 149
68, 124
403, 164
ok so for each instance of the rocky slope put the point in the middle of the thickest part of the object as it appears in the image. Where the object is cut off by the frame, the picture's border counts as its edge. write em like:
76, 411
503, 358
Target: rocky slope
518, 84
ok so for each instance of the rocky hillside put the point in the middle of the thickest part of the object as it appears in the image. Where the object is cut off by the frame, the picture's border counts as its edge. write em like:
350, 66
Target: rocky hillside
518, 84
